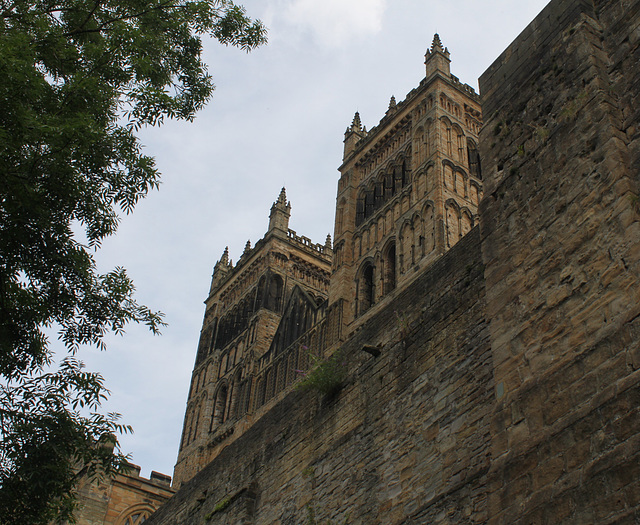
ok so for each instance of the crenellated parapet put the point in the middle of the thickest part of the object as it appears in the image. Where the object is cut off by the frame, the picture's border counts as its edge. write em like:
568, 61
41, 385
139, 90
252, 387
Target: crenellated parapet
125, 498
323, 250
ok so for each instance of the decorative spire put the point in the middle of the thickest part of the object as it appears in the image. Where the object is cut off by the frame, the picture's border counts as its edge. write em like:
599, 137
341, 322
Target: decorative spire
282, 198
353, 134
225, 257
247, 248
437, 58
221, 270
437, 44
392, 105
356, 125
280, 213
327, 243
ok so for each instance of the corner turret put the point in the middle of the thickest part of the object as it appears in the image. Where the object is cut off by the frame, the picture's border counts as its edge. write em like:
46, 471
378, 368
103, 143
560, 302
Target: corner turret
280, 213
437, 58
354, 133
392, 105
221, 270
328, 245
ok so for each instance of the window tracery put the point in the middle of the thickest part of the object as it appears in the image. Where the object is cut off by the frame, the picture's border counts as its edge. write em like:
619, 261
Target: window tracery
382, 190
135, 515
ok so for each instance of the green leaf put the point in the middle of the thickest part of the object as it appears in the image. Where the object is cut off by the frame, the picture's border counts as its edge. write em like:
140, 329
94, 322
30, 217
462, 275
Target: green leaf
77, 78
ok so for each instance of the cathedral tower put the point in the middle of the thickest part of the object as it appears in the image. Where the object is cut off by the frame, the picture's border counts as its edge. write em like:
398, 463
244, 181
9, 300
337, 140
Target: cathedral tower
409, 190
250, 344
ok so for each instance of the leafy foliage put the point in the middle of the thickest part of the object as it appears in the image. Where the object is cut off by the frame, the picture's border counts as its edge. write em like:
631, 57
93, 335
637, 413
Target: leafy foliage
324, 375
48, 443
219, 507
77, 79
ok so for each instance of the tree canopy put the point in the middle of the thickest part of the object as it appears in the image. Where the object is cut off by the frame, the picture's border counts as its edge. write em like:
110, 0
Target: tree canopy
77, 79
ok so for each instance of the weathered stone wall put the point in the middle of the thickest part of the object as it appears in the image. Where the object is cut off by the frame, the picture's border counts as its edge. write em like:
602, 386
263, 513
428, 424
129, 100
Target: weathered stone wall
121, 500
250, 305
518, 404
405, 440
561, 244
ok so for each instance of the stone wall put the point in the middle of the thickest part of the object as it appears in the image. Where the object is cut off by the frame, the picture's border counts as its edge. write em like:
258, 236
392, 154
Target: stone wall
125, 499
561, 245
407, 437
503, 393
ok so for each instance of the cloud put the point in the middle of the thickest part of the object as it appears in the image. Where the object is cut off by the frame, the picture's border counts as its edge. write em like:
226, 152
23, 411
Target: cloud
335, 22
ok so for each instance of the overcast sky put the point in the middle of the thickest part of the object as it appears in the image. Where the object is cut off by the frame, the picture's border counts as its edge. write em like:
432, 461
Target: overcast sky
277, 118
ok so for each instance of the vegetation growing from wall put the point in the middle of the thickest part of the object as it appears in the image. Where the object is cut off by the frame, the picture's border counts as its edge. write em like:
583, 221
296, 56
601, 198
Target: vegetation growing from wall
325, 376
219, 507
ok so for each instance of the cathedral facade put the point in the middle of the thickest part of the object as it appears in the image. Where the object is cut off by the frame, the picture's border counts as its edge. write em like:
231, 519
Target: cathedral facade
256, 309
409, 189
487, 377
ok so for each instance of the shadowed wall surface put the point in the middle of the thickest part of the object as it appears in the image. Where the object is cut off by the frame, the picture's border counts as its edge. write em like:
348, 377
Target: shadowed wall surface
507, 385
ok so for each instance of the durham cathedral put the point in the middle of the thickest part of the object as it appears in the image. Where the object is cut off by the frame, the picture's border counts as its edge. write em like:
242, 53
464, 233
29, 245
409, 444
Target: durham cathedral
482, 292
409, 190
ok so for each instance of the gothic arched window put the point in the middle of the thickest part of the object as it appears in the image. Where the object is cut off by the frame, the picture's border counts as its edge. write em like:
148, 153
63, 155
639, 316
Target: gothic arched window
360, 210
260, 293
369, 203
219, 407
274, 298
389, 268
135, 515
366, 288
389, 188
474, 160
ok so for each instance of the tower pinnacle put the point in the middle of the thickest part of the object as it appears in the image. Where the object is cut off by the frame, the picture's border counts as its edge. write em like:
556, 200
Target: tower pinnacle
225, 257
392, 104
437, 44
353, 134
437, 58
356, 124
282, 198
221, 269
280, 213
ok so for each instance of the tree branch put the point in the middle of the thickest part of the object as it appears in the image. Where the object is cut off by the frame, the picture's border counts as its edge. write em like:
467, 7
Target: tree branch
103, 25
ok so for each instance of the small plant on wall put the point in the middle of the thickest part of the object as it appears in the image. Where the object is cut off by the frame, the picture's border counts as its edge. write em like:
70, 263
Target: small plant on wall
403, 325
324, 375
219, 507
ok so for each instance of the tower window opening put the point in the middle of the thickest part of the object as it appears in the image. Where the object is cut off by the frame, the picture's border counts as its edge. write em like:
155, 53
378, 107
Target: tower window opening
366, 289
389, 269
219, 407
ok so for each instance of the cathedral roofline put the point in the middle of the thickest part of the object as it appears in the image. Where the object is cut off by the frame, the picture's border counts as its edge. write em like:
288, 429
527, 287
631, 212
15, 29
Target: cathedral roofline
321, 251
389, 116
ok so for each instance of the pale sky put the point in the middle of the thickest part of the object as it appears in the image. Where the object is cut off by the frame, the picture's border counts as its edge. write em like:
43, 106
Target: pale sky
277, 118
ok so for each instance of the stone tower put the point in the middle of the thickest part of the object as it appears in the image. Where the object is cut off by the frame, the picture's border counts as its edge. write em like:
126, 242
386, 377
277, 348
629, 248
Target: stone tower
510, 392
249, 346
409, 190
